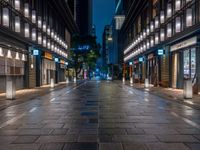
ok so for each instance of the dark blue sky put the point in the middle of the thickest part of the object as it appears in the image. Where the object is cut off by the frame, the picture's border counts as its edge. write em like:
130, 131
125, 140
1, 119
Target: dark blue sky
103, 11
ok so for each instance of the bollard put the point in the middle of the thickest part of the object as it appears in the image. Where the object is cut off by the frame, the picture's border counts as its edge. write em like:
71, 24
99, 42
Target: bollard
10, 90
188, 91
52, 83
131, 80
67, 80
146, 84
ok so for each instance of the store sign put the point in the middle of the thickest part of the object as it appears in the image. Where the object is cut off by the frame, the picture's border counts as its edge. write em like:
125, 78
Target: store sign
150, 56
130, 63
48, 56
35, 52
62, 61
160, 52
62, 66
56, 59
141, 59
184, 44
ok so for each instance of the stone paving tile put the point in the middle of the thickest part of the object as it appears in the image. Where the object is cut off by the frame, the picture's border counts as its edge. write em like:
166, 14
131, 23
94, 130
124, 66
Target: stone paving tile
105, 138
135, 138
135, 131
25, 139
110, 146
197, 136
87, 138
52, 146
57, 139
177, 138
167, 146
194, 146
34, 131
19, 147
59, 132
7, 139
158, 131
134, 146
81, 146
112, 131
53, 126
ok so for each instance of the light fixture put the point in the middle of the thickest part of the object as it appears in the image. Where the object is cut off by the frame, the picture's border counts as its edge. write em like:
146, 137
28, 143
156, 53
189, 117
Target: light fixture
52, 34
26, 10
156, 38
156, 22
52, 46
17, 56
26, 30
178, 24
1, 52
144, 33
152, 26
162, 35
17, 4
169, 30
178, 5
152, 41
9, 54
23, 57
44, 43
162, 17
44, 27
169, 10
6, 17
39, 38
17, 24
33, 18
49, 44
148, 44
33, 34
189, 17
48, 30
148, 31
39, 21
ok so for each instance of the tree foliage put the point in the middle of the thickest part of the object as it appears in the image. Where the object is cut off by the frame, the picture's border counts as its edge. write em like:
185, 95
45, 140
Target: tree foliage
84, 52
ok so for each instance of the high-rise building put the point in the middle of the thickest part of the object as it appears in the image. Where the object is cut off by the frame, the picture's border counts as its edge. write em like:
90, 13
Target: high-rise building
34, 40
83, 16
160, 42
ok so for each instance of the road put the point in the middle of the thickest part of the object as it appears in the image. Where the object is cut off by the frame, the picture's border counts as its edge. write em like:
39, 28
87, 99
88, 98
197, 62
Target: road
99, 115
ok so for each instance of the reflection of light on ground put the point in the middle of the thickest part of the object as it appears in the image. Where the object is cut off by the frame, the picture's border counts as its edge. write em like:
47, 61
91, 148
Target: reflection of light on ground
130, 92
33, 109
146, 89
146, 99
189, 102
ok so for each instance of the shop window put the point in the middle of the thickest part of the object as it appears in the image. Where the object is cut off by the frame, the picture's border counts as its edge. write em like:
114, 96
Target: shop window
169, 30
17, 4
177, 5
169, 10
178, 24
189, 17
17, 24
6, 17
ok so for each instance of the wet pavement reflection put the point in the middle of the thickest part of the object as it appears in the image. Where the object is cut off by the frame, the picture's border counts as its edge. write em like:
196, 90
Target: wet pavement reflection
99, 115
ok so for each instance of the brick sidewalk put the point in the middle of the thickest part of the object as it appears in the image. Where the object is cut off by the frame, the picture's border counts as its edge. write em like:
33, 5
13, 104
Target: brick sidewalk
29, 94
170, 94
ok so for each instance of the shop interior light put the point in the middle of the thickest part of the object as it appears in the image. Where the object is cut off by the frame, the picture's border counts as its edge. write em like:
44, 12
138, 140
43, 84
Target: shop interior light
44, 41
44, 27
156, 22
152, 26
148, 31
162, 34
6, 17
23, 57
39, 21
17, 56
26, 30
9, 54
34, 34
1, 52
39, 38
17, 24
162, 17
17, 4
26, 10
178, 5
48, 30
48, 44
169, 10
152, 41
178, 24
156, 38
189, 17
169, 30
33, 18
52, 34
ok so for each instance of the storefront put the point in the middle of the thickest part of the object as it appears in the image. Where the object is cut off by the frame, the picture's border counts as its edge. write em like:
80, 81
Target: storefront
152, 69
12, 64
49, 68
184, 62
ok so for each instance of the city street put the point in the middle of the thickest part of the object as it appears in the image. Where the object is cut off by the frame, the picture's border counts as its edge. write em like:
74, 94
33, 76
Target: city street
99, 115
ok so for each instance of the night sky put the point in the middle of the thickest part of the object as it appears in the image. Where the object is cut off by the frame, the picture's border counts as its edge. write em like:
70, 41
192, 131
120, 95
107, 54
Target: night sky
103, 11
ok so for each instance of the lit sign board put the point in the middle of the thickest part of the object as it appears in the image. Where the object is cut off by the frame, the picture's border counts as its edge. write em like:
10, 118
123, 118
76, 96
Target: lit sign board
141, 59
48, 56
160, 52
35, 52
56, 60
130, 63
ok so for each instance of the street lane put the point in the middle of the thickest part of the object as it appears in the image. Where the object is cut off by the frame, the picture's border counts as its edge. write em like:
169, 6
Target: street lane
100, 115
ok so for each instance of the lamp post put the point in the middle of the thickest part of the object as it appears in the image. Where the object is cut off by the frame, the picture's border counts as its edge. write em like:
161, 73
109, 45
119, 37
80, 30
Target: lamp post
130, 72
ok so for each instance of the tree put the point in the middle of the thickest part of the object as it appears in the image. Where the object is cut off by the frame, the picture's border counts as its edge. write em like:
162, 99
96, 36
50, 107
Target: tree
84, 51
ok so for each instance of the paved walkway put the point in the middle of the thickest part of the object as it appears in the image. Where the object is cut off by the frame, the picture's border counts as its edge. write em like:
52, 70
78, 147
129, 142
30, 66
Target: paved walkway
169, 93
99, 116
29, 94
